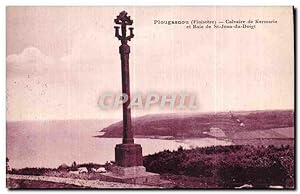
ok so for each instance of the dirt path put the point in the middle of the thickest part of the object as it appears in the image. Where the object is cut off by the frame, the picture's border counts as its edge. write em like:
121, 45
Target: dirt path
79, 182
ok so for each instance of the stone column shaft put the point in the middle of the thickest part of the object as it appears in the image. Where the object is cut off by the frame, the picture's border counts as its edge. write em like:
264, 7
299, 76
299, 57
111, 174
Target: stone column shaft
127, 130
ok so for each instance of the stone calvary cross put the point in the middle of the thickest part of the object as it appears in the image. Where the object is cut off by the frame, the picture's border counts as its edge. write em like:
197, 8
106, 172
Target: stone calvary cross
128, 153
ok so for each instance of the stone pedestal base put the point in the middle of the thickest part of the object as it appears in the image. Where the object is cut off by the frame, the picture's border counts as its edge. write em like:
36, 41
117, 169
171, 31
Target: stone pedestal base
128, 171
128, 155
129, 167
133, 175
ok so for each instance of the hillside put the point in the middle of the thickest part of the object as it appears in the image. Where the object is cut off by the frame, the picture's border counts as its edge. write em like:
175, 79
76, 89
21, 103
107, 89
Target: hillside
223, 124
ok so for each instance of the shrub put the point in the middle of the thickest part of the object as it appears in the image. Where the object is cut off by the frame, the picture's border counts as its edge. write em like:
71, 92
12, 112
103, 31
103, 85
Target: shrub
230, 165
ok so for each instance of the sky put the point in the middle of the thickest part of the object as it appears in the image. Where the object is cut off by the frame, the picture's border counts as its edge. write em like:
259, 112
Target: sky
61, 59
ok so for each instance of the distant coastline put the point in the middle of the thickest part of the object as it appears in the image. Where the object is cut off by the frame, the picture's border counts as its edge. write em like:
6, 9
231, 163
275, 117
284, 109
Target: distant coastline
270, 124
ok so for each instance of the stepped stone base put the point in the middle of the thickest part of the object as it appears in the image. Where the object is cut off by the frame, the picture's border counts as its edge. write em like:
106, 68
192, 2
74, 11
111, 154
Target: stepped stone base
133, 175
128, 171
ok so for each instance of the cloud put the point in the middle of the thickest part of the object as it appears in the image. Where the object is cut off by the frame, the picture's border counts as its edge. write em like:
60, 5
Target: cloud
30, 61
43, 87
29, 55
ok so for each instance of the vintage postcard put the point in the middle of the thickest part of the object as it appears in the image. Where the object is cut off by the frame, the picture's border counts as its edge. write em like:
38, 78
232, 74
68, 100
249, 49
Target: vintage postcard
153, 97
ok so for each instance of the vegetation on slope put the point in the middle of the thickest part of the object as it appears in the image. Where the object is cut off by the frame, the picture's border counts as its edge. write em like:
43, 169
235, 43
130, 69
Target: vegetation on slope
229, 166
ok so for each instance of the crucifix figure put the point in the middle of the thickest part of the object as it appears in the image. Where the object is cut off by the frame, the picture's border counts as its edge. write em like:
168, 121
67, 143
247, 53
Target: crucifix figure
127, 154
